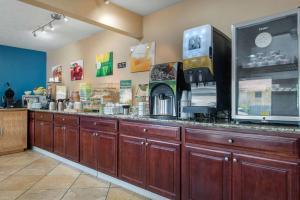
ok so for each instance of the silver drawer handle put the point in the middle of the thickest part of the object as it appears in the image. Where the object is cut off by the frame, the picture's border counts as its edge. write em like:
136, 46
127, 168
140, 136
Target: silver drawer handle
230, 141
226, 159
235, 160
145, 130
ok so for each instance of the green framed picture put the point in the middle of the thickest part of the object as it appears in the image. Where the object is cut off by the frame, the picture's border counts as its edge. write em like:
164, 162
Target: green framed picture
104, 64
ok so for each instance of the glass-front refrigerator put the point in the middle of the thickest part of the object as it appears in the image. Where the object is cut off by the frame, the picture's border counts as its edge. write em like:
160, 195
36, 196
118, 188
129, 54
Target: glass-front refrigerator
265, 71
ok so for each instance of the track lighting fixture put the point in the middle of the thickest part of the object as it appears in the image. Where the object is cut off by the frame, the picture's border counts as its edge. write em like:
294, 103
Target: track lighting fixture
106, 2
49, 25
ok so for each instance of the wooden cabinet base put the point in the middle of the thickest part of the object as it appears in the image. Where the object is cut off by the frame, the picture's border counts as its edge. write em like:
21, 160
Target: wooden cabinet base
13, 130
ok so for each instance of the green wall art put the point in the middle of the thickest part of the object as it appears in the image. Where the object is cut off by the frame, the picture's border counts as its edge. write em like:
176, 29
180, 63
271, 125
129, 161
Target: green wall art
104, 64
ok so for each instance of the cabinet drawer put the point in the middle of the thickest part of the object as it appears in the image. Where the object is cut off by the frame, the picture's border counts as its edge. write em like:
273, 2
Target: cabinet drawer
66, 119
150, 130
44, 116
31, 115
99, 124
266, 143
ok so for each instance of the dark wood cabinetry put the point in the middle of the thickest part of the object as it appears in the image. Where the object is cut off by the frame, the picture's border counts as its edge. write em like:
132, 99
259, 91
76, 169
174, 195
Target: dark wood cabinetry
87, 148
225, 166
149, 157
43, 135
202, 163
263, 178
107, 151
132, 160
66, 136
163, 168
31, 121
206, 174
98, 144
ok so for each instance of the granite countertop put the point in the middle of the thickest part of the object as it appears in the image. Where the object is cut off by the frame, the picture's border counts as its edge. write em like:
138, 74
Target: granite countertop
13, 109
257, 127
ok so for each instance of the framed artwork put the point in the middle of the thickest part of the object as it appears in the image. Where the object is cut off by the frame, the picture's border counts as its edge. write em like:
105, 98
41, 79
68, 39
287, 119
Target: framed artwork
57, 73
104, 64
142, 57
76, 70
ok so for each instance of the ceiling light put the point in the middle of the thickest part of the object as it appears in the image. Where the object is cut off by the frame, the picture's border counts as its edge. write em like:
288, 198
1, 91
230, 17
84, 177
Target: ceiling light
66, 19
106, 2
51, 27
50, 24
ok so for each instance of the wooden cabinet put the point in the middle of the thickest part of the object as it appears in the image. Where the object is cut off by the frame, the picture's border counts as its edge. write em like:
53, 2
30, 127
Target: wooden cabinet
263, 178
43, 135
149, 157
87, 148
132, 160
13, 130
59, 140
206, 174
106, 151
217, 167
98, 144
72, 143
31, 121
163, 168
66, 136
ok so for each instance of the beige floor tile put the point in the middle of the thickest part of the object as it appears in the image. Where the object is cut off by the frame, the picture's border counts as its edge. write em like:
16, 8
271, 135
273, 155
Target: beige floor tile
122, 194
41, 166
18, 182
2, 177
10, 195
64, 170
88, 181
7, 170
86, 194
54, 182
42, 195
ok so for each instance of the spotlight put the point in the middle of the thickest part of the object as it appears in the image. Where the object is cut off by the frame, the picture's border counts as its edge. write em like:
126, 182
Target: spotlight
106, 2
34, 34
43, 30
51, 27
66, 19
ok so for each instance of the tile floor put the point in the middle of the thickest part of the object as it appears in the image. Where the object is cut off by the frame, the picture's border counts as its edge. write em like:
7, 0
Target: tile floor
32, 176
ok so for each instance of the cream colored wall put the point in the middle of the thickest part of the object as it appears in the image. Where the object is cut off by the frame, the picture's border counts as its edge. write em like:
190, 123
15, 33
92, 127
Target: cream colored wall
166, 28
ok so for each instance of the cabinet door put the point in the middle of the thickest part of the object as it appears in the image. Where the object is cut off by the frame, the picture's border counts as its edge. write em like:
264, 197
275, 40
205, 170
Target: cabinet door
47, 136
132, 160
106, 150
38, 125
59, 140
31, 133
262, 178
87, 148
72, 143
206, 174
163, 168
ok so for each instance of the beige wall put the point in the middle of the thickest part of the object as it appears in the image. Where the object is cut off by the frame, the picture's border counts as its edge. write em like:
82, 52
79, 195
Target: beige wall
166, 28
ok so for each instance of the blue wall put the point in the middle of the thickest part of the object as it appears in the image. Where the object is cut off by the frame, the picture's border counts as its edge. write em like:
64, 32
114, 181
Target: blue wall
24, 69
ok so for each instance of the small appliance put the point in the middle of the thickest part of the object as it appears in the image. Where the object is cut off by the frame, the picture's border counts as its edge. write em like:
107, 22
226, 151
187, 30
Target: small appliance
39, 100
207, 69
8, 98
165, 88
265, 73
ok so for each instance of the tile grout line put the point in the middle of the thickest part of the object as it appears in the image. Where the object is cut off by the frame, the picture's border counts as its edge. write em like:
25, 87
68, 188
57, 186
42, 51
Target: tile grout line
17, 170
70, 186
37, 182
108, 191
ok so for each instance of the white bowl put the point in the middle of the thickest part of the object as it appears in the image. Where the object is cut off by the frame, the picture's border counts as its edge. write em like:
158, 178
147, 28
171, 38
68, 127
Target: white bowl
27, 92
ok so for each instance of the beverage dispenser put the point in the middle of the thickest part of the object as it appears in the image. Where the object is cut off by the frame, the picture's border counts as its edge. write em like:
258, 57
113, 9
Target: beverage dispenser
207, 69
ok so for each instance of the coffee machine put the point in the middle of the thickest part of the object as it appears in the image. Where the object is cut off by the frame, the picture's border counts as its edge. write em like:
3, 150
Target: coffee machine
8, 98
165, 89
207, 69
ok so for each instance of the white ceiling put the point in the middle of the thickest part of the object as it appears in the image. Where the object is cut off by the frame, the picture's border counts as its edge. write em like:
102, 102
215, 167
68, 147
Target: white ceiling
145, 7
18, 20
